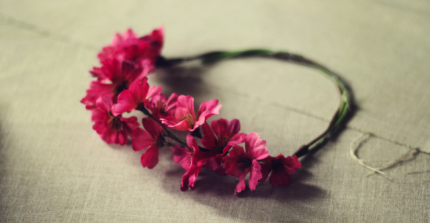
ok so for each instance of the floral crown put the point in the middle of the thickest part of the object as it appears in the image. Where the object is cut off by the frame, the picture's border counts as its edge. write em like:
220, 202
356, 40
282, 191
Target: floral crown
122, 86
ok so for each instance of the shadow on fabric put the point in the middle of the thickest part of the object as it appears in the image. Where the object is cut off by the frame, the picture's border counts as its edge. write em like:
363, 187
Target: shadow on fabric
217, 191
3, 166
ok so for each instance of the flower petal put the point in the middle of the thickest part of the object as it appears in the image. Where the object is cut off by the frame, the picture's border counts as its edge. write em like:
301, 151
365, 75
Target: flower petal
118, 38
152, 127
171, 103
233, 127
276, 179
241, 185
208, 139
231, 160
214, 163
191, 142
153, 91
150, 157
125, 103
190, 177
266, 168
181, 156
255, 175
139, 90
199, 157
292, 162
104, 103
220, 127
237, 139
255, 147
206, 110
142, 139
184, 106
171, 122
122, 138
129, 124
98, 115
130, 71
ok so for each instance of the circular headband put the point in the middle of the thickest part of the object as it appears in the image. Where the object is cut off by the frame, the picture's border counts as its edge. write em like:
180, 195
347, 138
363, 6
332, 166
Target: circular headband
122, 86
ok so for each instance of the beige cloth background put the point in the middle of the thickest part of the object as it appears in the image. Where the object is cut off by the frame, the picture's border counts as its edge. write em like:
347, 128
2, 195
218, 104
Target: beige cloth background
55, 168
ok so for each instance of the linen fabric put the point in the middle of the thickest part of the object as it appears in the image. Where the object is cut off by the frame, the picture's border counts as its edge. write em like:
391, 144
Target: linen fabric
55, 168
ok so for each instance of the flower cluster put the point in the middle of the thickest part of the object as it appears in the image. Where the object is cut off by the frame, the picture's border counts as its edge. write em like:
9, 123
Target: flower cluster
121, 86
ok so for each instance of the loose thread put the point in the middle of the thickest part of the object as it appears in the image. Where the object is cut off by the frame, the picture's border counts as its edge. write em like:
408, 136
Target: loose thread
354, 149
360, 140
399, 160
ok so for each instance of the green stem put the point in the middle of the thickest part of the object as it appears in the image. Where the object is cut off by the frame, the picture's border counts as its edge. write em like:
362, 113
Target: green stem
338, 118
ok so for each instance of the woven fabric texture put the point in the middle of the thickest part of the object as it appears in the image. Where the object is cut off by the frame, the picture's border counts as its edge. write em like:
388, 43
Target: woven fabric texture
55, 168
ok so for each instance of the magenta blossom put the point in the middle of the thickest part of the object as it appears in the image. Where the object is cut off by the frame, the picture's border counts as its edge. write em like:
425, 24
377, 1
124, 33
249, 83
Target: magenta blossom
117, 71
182, 156
239, 162
185, 118
131, 48
156, 40
96, 91
119, 39
196, 164
135, 96
217, 145
151, 140
281, 168
161, 106
219, 138
114, 77
190, 162
112, 129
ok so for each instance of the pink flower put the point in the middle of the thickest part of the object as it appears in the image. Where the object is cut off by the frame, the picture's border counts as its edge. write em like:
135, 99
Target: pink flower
114, 77
112, 129
161, 106
128, 47
113, 70
281, 168
156, 40
185, 118
182, 156
190, 161
97, 90
135, 96
226, 135
195, 165
239, 163
118, 39
115, 50
151, 140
